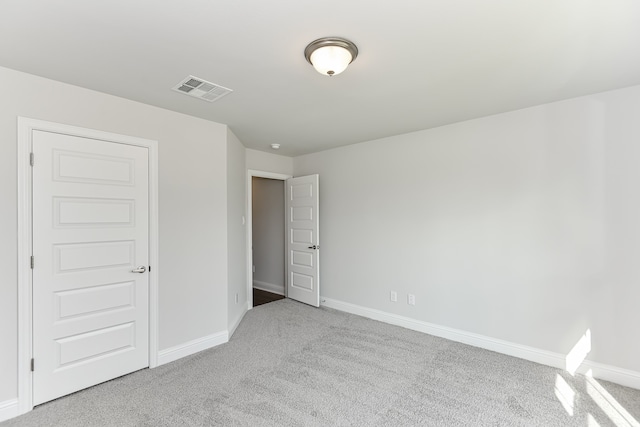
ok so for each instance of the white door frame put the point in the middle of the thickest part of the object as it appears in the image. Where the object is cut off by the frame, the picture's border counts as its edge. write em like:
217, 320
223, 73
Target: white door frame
26, 126
259, 174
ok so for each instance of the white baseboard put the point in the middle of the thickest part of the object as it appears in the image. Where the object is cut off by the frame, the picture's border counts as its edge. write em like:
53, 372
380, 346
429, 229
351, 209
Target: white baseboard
8, 409
269, 287
192, 347
598, 370
614, 374
236, 323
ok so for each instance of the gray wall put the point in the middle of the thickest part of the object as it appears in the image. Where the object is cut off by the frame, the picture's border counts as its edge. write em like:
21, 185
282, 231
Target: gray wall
192, 199
269, 162
236, 239
522, 226
268, 234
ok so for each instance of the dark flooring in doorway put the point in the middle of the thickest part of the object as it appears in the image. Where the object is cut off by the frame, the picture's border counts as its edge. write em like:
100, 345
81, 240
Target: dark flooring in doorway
263, 297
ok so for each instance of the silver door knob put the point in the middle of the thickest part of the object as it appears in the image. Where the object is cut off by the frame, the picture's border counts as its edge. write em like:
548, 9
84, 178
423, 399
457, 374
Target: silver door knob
140, 269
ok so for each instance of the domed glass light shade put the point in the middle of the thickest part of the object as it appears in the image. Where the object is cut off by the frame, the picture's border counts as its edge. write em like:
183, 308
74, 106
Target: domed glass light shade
330, 55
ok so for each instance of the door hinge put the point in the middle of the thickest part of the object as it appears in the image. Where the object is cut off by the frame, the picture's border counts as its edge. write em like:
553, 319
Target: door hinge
31, 159
149, 269
32, 261
33, 364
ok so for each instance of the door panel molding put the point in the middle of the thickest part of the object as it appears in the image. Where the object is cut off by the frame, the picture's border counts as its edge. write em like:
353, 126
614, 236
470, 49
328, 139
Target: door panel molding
26, 127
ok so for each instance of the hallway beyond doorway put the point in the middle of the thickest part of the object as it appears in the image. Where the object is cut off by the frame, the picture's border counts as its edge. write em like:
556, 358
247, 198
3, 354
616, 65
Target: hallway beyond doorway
263, 297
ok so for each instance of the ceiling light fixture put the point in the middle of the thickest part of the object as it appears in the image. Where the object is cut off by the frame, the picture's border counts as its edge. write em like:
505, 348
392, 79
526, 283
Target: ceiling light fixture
275, 146
330, 55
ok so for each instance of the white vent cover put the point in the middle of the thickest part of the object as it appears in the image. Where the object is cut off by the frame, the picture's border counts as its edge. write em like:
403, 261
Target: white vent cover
199, 88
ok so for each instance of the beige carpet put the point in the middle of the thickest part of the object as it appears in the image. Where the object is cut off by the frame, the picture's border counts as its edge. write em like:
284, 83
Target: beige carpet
292, 365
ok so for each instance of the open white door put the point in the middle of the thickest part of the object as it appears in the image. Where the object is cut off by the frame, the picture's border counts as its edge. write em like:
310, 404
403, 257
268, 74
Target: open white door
90, 253
303, 245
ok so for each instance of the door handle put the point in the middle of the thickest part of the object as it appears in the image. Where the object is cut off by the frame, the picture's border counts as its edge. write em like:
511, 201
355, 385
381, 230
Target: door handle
140, 269
314, 247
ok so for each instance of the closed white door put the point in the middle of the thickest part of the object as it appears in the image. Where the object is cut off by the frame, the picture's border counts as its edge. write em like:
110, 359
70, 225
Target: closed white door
303, 244
90, 248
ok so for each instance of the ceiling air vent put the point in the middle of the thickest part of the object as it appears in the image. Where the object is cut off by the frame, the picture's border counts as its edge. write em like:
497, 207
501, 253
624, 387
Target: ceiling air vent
202, 89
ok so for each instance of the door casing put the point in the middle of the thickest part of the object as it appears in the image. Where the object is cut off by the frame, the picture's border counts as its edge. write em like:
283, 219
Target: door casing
25, 310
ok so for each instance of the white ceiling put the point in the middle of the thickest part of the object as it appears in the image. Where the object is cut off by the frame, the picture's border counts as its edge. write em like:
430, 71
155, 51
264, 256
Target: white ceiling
422, 63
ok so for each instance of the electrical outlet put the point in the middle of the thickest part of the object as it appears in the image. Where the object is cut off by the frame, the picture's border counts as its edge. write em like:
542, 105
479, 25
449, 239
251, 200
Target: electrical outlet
411, 299
393, 296
254, 268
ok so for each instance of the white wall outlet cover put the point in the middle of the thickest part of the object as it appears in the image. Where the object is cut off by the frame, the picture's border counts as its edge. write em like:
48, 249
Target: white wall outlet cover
393, 296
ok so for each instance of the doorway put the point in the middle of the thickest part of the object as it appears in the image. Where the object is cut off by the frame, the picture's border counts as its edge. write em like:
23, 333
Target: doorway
266, 254
302, 208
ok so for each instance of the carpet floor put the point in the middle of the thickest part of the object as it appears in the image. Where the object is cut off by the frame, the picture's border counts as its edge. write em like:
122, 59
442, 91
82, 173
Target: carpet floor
289, 364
